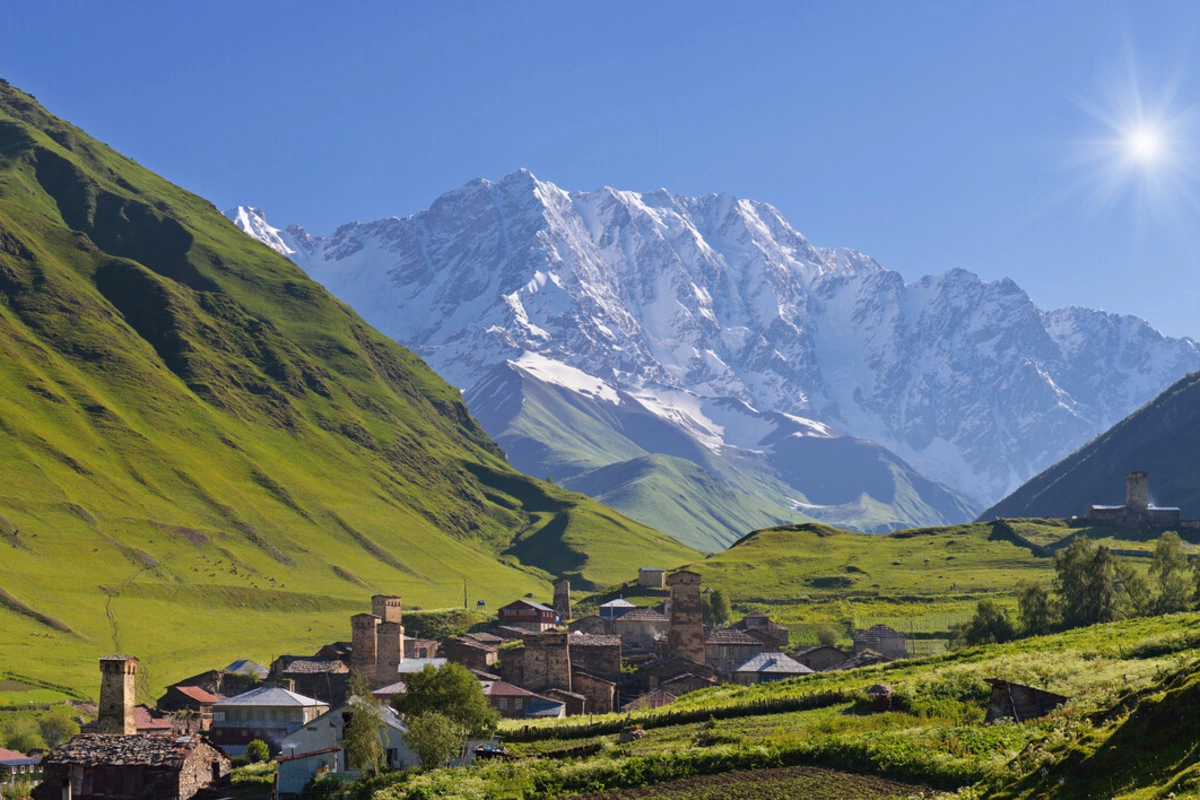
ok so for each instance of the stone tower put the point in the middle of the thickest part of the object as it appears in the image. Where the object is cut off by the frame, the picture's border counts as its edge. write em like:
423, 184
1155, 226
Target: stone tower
562, 599
1137, 491
118, 675
390, 638
364, 641
685, 635
547, 661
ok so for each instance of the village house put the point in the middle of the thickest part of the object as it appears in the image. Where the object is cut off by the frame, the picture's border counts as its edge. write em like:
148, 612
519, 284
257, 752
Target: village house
123, 767
728, 649
641, 628
652, 578
471, 653
821, 657
268, 713
592, 624
247, 669
528, 615
773, 635
190, 701
887, 642
1138, 511
655, 699
317, 748
321, 678
615, 609
654, 674
18, 768
768, 667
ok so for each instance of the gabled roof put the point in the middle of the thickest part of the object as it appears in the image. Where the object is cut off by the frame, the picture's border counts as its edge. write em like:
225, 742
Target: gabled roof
399, 687
817, 647
731, 636
483, 637
620, 602
145, 721
105, 749
528, 603
643, 615
270, 696
246, 667
879, 630
198, 694
543, 707
314, 666
774, 664
408, 665
579, 639
505, 689
11, 758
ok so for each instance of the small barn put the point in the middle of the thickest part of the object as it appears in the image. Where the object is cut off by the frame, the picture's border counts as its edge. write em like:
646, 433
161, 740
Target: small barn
1017, 702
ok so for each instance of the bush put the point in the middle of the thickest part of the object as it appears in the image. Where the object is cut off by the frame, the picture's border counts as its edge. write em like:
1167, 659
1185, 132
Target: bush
257, 751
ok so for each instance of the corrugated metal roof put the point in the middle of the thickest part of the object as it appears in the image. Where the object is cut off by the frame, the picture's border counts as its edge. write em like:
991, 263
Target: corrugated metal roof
620, 602
270, 696
774, 663
198, 694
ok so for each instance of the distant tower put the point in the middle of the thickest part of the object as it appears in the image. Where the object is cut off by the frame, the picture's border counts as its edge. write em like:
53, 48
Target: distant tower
1137, 491
389, 638
685, 635
562, 599
118, 674
364, 639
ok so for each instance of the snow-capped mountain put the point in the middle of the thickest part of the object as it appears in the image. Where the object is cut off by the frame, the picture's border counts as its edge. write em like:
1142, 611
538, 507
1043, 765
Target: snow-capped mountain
719, 297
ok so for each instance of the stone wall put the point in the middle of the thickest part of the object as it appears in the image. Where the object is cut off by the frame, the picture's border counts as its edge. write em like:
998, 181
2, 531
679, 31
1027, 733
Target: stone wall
598, 654
547, 661
600, 694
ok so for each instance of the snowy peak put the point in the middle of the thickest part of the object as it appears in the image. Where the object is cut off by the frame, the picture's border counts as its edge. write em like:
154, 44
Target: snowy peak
254, 222
717, 297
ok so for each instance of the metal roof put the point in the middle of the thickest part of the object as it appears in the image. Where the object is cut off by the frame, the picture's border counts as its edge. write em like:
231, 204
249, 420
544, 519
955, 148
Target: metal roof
774, 663
620, 602
198, 694
270, 696
417, 664
530, 603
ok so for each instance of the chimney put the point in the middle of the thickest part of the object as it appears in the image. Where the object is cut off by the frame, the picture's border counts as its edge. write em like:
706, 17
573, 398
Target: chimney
118, 675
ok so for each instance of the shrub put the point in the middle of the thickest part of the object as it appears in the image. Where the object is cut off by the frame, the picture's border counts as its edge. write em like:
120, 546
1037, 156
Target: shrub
257, 751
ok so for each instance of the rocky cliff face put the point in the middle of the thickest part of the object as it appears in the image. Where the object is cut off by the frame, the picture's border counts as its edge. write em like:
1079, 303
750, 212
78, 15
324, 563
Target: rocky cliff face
722, 298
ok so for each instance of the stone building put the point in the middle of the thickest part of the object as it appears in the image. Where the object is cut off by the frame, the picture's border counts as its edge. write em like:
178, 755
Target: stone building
190, 700
887, 642
471, 654
562, 599
118, 676
728, 649
768, 667
1137, 511
821, 657
123, 767
555, 660
654, 674
685, 635
614, 609
761, 626
593, 624
641, 628
547, 661
652, 578
600, 655
327, 680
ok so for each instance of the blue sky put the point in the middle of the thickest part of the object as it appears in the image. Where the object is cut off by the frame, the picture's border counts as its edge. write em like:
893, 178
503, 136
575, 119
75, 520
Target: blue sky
929, 135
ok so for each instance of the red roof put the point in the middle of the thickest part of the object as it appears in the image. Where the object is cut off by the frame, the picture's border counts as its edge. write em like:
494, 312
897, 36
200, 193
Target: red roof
200, 695
505, 689
12, 755
144, 721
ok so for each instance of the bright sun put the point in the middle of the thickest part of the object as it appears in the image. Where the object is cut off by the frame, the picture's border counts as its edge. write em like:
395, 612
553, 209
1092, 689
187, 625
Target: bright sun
1144, 144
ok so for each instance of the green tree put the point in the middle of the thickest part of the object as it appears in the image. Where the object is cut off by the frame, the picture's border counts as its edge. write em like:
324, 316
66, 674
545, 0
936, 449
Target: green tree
57, 726
1134, 598
1085, 578
1170, 572
365, 729
257, 751
719, 604
450, 690
433, 738
827, 634
1036, 610
990, 625
24, 735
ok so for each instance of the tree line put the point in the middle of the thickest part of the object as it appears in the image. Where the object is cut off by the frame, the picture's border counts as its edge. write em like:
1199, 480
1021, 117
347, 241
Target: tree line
1090, 586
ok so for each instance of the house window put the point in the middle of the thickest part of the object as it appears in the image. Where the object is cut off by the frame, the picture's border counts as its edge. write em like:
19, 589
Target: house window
517, 703
504, 704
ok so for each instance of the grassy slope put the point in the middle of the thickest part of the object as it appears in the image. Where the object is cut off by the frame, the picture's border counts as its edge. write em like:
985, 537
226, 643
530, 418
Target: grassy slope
205, 456
1161, 439
919, 581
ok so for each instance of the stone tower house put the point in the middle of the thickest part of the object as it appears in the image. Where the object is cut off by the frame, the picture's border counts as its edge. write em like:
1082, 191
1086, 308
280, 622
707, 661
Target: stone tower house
685, 635
364, 639
389, 638
1137, 491
548, 661
562, 599
118, 676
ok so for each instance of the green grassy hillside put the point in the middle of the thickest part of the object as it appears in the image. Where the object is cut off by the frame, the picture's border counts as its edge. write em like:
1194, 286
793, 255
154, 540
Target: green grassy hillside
205, 456
1161, 438
920, 581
